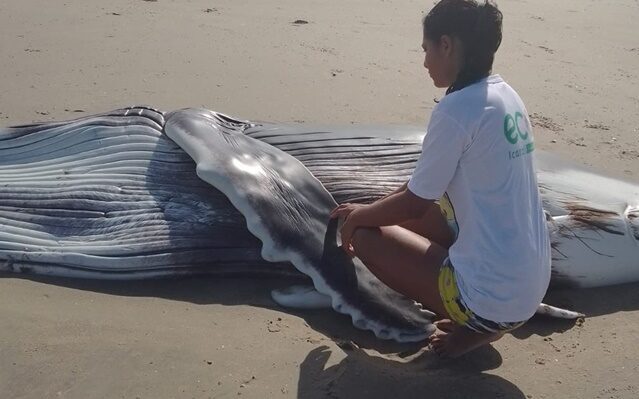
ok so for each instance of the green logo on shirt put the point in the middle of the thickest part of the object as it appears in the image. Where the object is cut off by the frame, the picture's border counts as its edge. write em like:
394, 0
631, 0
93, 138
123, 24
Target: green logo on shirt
511, 128
513, 134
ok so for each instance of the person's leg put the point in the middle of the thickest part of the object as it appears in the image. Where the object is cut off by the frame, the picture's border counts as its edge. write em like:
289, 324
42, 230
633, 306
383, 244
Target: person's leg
410, 264
404, 261
432, 225
463, 331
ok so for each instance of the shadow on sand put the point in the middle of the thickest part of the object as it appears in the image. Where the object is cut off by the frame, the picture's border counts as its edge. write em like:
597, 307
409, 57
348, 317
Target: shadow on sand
360, 375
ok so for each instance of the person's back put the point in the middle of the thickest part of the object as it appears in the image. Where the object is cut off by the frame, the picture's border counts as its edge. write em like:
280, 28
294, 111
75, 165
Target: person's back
502, 250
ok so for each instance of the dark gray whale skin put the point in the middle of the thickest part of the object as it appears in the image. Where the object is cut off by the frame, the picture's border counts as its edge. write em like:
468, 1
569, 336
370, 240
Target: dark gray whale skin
113, 196
110, 196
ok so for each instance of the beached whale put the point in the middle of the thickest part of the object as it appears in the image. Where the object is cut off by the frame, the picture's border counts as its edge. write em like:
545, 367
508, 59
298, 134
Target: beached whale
137, 193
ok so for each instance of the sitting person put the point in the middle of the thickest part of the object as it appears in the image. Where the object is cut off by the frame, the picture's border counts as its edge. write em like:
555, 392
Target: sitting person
466, 236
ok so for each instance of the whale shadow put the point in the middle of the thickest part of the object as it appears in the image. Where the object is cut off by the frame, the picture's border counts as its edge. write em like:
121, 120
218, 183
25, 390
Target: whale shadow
254, 290
236, 290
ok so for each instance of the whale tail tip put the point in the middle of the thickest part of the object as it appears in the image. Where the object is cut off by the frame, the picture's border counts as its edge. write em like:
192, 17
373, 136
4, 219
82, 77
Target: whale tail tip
559, 313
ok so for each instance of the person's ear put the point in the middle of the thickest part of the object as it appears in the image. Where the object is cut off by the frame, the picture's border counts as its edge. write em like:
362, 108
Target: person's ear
446, 44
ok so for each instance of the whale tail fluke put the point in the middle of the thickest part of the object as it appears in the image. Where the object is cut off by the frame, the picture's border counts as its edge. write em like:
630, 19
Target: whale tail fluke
559, 313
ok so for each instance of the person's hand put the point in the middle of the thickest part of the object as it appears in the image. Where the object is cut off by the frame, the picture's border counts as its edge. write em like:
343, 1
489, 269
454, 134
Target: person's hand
343, 210
349, 213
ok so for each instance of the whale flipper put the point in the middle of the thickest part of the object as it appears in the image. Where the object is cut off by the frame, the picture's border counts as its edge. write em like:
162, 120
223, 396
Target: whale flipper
287, 208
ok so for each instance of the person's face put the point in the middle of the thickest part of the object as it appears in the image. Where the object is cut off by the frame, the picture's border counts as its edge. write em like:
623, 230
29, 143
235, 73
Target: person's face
441, 60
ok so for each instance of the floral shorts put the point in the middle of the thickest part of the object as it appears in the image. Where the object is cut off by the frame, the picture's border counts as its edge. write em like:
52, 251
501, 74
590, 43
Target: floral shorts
457, 309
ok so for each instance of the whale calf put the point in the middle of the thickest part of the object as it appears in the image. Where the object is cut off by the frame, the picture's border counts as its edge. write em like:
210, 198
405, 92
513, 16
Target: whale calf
139, 193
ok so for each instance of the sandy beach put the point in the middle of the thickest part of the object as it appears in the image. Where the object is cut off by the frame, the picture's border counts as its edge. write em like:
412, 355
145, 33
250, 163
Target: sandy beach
575, 63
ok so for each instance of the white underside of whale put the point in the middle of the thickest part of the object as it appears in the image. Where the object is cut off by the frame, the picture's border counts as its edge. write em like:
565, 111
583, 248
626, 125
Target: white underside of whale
593, 224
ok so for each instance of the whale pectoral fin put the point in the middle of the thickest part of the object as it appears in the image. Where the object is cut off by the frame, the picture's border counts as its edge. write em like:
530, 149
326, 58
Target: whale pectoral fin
301, 297
559, 313
288, 209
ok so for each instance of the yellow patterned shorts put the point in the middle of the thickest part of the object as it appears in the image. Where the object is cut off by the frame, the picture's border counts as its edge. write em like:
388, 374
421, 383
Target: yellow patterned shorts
459, 311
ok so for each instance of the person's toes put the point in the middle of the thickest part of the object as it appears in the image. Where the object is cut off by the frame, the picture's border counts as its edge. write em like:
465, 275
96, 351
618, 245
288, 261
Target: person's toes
439, 344
438, 337
445, 325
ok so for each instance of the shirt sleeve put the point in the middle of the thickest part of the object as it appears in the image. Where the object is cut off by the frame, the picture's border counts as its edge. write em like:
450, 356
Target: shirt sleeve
442, 149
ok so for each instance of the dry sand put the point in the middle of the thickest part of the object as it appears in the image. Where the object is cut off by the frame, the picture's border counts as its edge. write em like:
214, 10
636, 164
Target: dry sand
575, 63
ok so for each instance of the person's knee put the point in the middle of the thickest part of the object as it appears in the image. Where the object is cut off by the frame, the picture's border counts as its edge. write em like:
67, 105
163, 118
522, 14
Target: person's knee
361, 235
362, 238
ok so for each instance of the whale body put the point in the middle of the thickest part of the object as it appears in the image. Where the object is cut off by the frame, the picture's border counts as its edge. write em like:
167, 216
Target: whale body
139, 193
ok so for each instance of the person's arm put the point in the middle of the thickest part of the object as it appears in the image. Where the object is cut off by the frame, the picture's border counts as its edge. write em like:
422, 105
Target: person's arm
442, 149
398, 190
392, 210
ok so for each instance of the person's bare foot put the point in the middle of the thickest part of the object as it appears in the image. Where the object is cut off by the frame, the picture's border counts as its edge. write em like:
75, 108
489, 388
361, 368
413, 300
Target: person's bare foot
446, 325
454, 340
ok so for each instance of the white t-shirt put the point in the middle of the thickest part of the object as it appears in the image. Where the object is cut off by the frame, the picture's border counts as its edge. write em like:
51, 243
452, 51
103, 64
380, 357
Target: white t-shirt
477, 158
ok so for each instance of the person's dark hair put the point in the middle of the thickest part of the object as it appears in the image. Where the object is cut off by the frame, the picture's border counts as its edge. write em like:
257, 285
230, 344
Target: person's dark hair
476, 26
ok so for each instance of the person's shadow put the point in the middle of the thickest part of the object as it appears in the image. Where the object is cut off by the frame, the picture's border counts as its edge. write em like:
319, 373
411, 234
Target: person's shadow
360, 375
